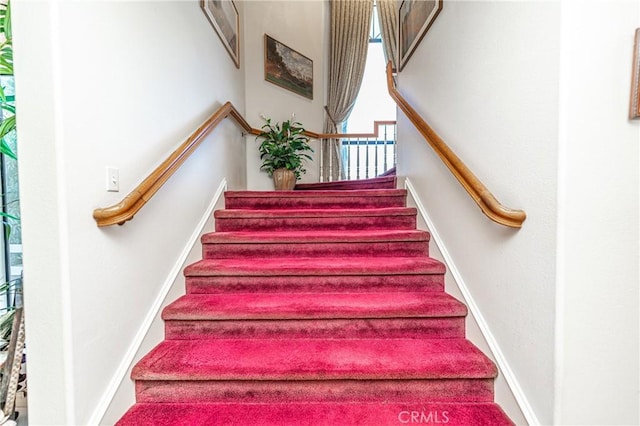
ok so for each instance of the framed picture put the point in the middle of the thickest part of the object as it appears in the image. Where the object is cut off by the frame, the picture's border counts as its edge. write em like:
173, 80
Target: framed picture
416, 17
634, 106
223, 15
287, 68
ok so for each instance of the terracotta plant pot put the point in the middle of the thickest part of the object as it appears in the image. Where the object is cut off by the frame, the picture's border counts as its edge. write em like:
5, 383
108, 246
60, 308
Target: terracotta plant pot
284, 179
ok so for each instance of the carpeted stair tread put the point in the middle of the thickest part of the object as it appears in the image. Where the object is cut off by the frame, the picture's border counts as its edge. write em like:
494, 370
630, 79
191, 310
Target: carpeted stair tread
317, 414
385, 182
323, 266
366, 198
314, 359
314, 306
317, 328
310, 219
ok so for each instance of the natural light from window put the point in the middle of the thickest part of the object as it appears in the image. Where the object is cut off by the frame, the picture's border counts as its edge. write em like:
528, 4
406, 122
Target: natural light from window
374, 102
366, 157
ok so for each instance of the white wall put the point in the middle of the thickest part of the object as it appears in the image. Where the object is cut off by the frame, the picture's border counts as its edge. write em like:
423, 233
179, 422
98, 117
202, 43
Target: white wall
109, 84
301, 26
597, 341
486, 78
457, 287
121, 393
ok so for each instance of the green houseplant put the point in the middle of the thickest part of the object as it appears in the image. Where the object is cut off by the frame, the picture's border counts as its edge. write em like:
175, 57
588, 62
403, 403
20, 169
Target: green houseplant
9, 217
11, 322
283, 150
8, 123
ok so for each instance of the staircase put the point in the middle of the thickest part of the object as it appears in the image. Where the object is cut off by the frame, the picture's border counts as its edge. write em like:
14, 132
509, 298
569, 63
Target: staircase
318, 306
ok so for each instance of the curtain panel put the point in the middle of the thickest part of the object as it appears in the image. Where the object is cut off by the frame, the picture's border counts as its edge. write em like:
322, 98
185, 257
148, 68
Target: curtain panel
388, 17
349, 28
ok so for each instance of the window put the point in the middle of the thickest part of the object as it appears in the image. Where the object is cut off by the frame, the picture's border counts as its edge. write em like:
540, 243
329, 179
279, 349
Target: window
9, 197
373, 102
366, 158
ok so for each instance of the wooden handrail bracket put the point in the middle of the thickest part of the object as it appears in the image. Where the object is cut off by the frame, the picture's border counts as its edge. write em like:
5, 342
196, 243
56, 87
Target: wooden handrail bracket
489, 205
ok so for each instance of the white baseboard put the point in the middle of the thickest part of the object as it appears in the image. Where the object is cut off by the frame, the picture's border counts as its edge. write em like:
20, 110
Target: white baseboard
474, 310
127, 361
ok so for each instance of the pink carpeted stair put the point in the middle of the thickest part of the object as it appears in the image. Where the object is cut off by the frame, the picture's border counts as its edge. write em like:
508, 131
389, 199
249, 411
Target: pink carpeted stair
385, 182
318, 306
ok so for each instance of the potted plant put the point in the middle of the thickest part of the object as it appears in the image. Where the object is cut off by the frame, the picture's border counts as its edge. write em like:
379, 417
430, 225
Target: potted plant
283, 150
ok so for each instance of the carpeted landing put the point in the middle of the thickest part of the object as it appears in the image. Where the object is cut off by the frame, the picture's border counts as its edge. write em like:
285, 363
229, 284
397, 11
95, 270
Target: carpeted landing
319, 306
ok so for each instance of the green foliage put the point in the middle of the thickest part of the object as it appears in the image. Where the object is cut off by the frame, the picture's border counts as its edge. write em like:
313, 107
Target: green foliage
8, 125
10, 217
284, 146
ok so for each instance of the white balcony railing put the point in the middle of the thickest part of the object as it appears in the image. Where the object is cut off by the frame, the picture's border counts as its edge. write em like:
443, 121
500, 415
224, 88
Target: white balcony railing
368, 156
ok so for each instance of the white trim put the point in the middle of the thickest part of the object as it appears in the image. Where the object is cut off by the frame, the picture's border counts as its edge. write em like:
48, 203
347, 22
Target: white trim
154, 311
501, 360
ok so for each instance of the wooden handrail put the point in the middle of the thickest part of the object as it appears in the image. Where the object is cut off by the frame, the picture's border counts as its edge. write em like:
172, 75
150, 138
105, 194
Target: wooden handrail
132, 203
315, 135
489, 205
374, 134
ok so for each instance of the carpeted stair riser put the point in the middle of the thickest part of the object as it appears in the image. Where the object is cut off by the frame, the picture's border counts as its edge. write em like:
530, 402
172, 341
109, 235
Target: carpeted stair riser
414, 328
387, 182
320, 267
311, 283
342, 186
278, 391
315, 249
287, 200
316, 414
307, 220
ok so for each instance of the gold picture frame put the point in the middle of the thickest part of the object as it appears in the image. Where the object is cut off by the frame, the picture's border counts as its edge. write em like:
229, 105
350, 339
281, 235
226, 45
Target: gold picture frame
415, 17
287, 68
223, 16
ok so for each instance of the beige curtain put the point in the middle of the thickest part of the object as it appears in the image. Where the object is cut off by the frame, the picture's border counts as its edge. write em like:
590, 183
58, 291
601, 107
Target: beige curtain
388, 17
350, 25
